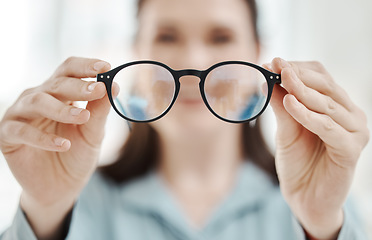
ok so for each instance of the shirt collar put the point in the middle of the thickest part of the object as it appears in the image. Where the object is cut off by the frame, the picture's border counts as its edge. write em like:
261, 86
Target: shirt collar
150, 194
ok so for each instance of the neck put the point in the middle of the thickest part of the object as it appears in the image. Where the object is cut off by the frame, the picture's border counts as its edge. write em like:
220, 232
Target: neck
205, 158
202, 170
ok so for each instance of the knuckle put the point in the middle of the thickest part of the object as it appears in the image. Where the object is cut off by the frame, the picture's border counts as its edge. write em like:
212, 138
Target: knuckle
329, 86
329, 124
318, 65
24, 98
42, 138
68, 61
61, 112
27, 92
331, 105
362, 115
35, 98
62, 69
55, 85
18, 129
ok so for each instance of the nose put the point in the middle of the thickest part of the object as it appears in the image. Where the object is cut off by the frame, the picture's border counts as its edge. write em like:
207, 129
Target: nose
189, 80
189, 87
195, 56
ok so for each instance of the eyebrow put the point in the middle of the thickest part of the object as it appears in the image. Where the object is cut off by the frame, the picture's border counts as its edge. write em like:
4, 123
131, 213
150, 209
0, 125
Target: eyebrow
216, 26
223, 29
166, 26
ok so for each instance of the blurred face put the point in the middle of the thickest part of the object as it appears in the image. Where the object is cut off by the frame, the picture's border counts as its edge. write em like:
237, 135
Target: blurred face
194, 34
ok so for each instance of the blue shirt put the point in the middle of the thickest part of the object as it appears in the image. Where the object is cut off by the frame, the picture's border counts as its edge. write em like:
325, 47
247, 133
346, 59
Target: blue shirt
145, 209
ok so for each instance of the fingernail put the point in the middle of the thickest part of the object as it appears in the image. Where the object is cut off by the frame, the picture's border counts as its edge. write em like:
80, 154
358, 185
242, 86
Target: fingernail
59, 141
92, 86
75, 111
284, 63
99, 65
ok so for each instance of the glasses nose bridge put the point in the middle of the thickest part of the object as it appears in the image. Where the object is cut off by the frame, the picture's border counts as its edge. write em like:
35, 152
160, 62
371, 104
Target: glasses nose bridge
189, 72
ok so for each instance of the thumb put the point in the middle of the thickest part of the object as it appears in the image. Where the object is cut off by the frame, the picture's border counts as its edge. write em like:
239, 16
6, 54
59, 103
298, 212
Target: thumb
94, 130
287, 127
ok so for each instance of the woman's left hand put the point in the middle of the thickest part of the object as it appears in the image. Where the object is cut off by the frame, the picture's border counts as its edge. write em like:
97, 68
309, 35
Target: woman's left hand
320, 136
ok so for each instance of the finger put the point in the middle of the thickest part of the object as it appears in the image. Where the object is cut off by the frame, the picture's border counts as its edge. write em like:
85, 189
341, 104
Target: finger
93, 130
81, 67
313, 75
314, 66
324, 84
316, 101
288, 128
316, 80
268, 66
20, 133
40, 104
74, 89
311, 65
331, 133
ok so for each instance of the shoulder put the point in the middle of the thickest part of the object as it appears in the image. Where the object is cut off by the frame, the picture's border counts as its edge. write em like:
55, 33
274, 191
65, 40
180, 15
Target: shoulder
100, 189
97, 192
97, 185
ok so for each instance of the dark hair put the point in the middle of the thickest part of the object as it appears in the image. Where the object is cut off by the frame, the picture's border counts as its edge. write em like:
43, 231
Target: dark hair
140, 153
251, 4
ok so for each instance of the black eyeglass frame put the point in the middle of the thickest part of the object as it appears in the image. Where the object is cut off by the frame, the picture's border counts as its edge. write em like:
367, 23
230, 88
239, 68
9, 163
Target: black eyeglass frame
108, 77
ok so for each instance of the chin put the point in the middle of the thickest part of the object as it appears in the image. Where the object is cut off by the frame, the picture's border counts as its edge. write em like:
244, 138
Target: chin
189, 124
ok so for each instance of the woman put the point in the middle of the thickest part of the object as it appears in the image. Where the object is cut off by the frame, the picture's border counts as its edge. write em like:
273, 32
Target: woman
199, 185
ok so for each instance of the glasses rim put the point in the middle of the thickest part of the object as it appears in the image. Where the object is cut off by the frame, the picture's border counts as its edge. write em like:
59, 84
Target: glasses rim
108, 77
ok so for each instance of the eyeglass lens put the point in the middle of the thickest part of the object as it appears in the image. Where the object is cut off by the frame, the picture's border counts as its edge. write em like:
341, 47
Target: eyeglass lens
233, 91
146, 91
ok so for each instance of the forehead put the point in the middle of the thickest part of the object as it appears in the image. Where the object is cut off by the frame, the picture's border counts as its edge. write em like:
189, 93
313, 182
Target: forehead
196, 12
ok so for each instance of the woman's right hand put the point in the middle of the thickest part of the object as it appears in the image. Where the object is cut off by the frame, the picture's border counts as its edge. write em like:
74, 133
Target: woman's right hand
51, 146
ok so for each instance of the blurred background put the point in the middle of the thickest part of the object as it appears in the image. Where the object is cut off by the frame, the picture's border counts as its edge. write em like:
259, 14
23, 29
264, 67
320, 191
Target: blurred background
36, 36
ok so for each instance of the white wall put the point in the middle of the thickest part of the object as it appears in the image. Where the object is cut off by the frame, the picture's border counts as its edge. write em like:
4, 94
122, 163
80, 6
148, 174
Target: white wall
37, 36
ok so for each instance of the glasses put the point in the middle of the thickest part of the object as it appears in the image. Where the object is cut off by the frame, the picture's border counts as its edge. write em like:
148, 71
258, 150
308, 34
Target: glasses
234, 91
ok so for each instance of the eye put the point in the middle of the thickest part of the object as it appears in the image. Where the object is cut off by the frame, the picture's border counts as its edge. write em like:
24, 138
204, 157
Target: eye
221, 37
166, 38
